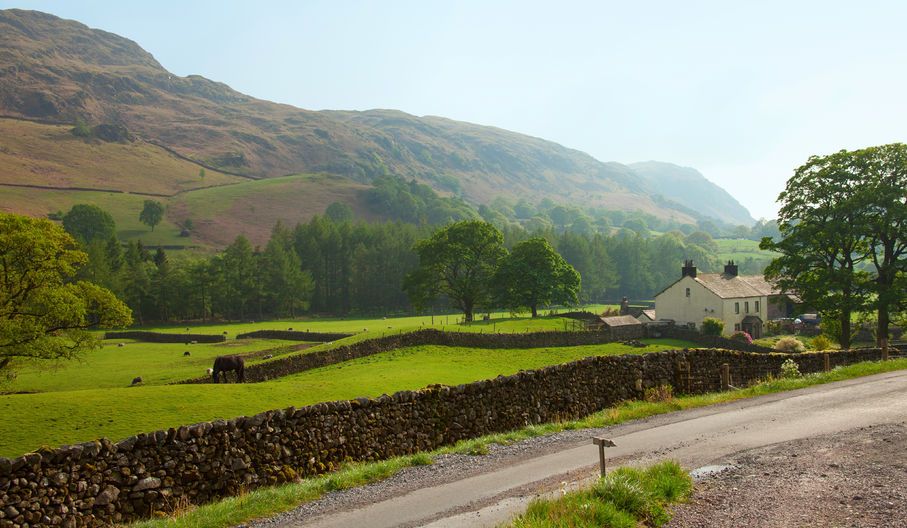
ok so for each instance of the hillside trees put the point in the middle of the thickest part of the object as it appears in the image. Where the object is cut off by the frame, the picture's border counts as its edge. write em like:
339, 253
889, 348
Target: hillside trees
458, 262
534, 274
44, 313
152, 213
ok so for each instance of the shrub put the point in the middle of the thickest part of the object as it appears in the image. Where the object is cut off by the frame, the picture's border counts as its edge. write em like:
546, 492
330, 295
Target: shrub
822, 342
661, 393
712, 326
789, 344
790, 369
743, 337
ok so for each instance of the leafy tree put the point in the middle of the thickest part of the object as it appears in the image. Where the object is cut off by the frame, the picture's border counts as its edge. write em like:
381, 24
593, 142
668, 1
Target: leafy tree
535, 274
459, 262
339, 212
88, 223
152, 213
43, 313
240, 278
287, 287
821, 245
201, 173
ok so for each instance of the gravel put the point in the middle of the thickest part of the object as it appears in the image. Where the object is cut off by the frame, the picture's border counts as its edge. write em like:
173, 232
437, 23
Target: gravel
856, 478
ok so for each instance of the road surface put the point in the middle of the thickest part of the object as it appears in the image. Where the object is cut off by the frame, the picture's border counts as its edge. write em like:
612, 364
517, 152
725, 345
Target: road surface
698, 437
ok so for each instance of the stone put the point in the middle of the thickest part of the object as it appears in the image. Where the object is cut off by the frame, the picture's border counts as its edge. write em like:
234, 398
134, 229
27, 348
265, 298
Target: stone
108, 496
11, 512
147, 483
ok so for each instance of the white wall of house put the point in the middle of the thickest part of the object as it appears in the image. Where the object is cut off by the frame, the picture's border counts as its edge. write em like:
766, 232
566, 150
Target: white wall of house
673, 303
736, 309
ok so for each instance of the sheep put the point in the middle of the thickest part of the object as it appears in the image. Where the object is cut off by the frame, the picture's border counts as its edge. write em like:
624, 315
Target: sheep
269, 356
210, 371
186, 353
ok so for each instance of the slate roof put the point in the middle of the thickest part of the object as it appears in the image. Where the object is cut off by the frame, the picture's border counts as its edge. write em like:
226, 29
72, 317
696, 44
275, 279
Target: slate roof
649, 313
731, 287
620, 320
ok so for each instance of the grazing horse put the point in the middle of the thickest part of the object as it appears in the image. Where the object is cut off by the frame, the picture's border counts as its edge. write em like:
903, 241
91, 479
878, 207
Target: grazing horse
222, 364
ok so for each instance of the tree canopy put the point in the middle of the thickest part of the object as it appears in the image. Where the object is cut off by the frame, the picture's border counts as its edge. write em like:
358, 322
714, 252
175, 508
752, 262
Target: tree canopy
459, 262
152, 213
88, 223
534, 274
44, 314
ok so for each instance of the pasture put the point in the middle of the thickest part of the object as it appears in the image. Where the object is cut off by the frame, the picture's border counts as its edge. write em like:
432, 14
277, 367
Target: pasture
67, 415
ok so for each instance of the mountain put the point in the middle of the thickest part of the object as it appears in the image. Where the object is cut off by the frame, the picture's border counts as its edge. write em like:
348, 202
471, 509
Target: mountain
688, 187
60, 72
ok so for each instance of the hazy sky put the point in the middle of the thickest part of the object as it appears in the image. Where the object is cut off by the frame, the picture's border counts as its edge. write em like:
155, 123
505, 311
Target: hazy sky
742, 91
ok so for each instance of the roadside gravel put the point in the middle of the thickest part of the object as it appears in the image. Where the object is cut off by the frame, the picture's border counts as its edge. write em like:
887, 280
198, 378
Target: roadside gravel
856, 478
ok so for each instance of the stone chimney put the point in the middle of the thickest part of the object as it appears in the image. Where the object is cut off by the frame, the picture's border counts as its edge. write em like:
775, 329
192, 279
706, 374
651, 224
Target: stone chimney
625, 306
730, 269
688, 270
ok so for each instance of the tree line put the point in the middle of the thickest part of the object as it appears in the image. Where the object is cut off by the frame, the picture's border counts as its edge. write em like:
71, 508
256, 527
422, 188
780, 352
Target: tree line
335, 265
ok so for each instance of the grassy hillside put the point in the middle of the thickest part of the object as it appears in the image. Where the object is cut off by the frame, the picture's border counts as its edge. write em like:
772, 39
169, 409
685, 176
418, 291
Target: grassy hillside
51, 156
28, 421
59, 70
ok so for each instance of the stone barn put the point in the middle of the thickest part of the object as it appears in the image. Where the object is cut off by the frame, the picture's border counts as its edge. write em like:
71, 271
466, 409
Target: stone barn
622, 327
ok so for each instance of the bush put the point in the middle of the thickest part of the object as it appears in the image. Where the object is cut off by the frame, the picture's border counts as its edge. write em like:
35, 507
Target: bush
790, 369
789, 344
712, 326
743, 337
822, 342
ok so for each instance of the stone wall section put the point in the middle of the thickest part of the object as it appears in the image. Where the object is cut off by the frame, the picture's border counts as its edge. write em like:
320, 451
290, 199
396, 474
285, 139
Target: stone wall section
156, 337
102, 482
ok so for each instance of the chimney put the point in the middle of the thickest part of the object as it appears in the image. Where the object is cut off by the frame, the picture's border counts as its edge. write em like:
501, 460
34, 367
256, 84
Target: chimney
688, 270
730, 269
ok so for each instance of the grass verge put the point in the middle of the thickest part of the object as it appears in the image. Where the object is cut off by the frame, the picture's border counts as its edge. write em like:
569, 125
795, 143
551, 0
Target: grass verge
270, 501
626, 498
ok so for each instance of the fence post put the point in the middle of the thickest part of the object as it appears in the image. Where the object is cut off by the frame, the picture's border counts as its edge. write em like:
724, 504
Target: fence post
827, 360
725, 376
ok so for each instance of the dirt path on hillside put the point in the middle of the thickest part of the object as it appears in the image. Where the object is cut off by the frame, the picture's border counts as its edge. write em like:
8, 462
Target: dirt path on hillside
856, 478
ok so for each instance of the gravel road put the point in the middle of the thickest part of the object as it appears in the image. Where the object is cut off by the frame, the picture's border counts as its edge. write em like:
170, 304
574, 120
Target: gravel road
856, 478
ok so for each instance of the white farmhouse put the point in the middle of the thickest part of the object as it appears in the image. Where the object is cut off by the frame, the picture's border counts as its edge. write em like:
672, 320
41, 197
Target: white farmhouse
743, 302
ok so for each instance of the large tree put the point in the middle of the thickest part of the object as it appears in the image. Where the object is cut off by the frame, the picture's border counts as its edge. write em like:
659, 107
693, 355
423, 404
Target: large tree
534, 274
43, 313
822, 243
458, 262
152, 213
88, 223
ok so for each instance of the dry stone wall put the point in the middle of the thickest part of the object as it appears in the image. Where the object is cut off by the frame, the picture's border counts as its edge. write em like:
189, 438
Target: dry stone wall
102, 482
291, 335
156, 337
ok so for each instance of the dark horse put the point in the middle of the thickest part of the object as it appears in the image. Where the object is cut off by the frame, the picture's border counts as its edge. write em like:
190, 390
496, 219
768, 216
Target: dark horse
222, 364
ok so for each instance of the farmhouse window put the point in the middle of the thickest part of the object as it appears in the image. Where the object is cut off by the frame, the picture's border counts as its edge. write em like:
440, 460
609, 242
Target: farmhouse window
757, 306
688, 292
737, 327
746, 307
737, 307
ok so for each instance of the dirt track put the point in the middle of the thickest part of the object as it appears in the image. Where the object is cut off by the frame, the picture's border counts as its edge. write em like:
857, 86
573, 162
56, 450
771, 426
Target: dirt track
484, 491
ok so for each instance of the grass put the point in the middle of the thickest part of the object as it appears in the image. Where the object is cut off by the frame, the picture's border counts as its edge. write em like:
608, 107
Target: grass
114, 367
28, 421
625, 498
270, 501
738, 249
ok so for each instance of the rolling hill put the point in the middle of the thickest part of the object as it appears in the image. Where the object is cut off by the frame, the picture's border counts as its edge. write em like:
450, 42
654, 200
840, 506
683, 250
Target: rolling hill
55, 73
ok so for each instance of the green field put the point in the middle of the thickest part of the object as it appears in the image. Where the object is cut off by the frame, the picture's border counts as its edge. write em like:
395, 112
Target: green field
28, 421
739, 249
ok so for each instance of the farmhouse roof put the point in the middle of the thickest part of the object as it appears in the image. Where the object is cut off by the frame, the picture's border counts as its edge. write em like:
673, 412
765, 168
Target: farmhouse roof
620, 320
732, 286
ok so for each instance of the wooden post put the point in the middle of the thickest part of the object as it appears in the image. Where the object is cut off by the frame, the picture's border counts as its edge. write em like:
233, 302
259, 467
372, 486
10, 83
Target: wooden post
827, 360
602, 443
725, 376
884, 343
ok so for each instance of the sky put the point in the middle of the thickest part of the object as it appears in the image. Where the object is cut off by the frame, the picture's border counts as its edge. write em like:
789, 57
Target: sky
742, 91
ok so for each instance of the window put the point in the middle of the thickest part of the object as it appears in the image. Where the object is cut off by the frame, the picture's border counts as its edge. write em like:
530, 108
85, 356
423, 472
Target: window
737, 327
757, 306
688, 292
736, 307
746, 307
